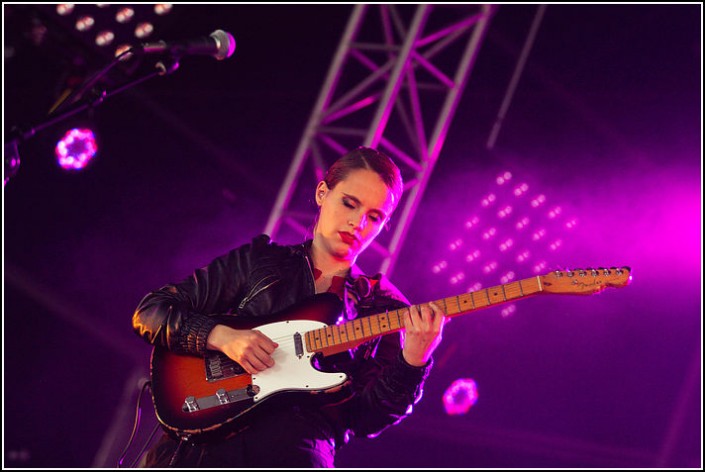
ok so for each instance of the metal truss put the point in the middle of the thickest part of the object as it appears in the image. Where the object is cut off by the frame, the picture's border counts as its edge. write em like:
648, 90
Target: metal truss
394, 84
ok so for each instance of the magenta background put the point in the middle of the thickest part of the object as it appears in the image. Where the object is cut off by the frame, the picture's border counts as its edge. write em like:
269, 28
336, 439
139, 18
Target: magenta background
606, 121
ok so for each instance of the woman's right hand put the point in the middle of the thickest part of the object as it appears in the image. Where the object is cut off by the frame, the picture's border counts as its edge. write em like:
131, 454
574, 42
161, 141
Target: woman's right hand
249, 348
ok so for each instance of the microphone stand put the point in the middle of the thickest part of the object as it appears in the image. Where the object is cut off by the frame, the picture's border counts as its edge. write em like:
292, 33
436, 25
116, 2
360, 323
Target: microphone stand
95, 98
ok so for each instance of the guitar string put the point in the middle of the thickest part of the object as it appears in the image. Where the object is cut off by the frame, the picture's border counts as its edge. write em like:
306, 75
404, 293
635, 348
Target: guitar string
289, 338
350, 329
460, 299
463, 299
345, 331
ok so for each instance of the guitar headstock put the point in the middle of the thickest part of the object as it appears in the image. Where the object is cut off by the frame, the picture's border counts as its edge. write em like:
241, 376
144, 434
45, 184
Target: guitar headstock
585, 281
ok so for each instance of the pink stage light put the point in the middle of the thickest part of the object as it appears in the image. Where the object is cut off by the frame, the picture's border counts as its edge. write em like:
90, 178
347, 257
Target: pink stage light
460, 396
512, 230
76, 149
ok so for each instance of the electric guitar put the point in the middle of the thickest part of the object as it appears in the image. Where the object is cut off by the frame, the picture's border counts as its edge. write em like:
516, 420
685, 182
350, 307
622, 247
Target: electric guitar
201, 396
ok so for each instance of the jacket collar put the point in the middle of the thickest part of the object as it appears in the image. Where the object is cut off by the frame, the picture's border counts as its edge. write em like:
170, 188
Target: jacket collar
304, 249
358, 286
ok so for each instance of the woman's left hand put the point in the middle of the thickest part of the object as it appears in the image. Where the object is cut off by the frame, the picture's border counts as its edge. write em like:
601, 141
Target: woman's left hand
423, 331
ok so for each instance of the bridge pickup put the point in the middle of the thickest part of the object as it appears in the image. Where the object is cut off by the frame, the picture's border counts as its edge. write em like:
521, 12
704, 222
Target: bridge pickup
219, 367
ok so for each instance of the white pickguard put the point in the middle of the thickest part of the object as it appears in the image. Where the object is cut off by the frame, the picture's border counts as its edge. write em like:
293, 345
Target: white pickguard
289, 371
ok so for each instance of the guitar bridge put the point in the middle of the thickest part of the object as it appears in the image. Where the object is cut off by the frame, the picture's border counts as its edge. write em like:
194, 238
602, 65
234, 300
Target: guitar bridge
190, 404
219, 367
221, 397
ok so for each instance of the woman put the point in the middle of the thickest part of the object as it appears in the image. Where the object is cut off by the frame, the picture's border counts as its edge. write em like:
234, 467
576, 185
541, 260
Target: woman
386, 375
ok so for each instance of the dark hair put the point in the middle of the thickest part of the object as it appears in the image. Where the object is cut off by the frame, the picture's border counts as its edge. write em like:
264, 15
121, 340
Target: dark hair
370, 159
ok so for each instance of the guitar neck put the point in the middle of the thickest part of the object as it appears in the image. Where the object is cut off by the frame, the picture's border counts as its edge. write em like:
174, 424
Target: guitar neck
337, 338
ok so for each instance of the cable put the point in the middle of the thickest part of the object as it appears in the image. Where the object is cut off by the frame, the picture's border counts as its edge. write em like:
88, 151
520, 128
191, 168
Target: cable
147, 442
135, 427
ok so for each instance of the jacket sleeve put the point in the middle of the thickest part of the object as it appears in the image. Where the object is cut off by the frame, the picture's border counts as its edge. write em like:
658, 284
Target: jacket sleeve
179, 316
385, 387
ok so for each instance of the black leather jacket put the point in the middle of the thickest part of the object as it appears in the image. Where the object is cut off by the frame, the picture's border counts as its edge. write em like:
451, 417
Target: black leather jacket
262, 278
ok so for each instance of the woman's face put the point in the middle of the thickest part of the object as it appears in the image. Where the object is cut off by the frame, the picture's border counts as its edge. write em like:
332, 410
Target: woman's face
352, 213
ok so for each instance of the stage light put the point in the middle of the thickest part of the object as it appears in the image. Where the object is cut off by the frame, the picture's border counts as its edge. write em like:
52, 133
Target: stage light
488, 200
76, 149
523, 256
555, 245
555, 212
521, 234
489, 234
508, 310
459, 277
162, 8
521, 189
144, 29
84, 38
104, 38
490, 267
64, 9
572, 223
460, 396
504, 212
85, 23
508, 243
474, 287
538, 201
540, 267
124, 15
473, 221
504, 178
473, 255
439, 267
124, 22
539, 234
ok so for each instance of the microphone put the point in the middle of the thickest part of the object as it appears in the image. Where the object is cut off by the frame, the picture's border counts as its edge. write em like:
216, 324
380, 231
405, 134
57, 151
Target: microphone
219, 44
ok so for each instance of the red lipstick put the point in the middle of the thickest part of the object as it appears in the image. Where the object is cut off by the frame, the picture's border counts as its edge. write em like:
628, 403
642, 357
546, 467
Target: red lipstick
347, 237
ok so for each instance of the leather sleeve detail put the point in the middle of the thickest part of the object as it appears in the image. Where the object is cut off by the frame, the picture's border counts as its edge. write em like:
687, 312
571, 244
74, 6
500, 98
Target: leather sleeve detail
193, 335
